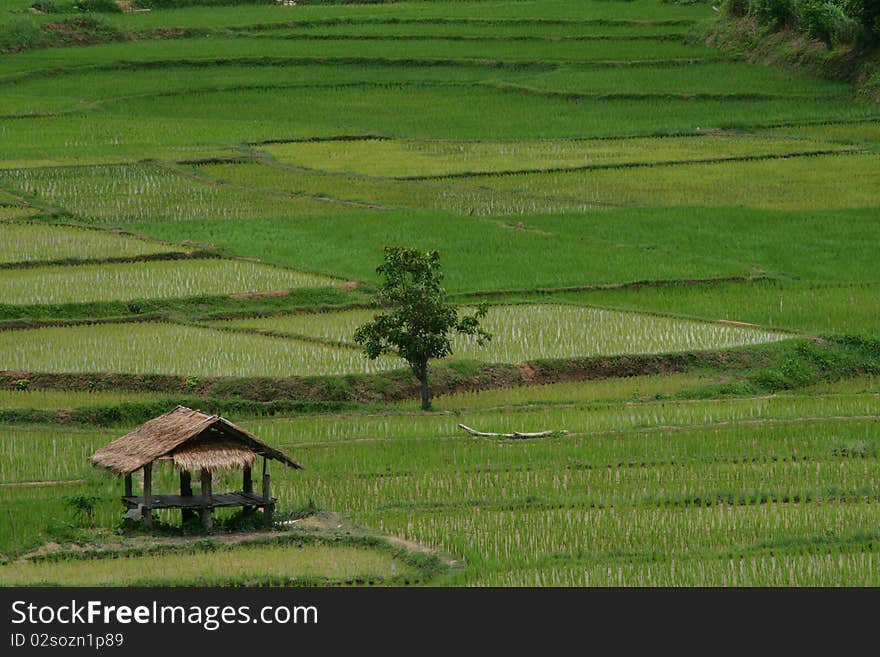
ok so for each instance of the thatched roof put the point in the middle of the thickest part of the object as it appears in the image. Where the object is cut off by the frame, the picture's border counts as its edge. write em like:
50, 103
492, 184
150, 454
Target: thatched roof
193, 439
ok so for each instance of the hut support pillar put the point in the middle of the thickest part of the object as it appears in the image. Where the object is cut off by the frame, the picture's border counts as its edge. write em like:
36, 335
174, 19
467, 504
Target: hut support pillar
186, 491
128, 491
247, 487
269, 508
207, 518
148, 495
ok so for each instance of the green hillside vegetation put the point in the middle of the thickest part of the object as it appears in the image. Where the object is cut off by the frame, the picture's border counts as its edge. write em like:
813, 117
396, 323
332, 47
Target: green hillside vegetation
671, 213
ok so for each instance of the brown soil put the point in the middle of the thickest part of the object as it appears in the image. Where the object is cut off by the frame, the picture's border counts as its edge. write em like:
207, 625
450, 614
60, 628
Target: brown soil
259, 295
386, 387
527, 372
36, 484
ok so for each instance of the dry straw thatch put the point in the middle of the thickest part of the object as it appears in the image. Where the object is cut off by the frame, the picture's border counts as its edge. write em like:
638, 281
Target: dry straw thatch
212, 455
192, 439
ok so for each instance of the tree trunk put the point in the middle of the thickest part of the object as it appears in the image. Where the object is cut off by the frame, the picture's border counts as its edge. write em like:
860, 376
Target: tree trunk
426, 393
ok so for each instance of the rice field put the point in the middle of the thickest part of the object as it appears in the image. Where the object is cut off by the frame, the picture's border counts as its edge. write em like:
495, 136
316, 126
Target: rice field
162, 348
113, 194
22, 242
396, 158
444, 112
10, 212
796, 183
819, 308
57, 399
533, 331
632, 388
147, 280
607, 181
281, 565
640, 505
867, 132
590, 419
385, 193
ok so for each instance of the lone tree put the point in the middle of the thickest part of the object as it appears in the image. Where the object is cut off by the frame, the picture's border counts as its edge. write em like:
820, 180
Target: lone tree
419, 318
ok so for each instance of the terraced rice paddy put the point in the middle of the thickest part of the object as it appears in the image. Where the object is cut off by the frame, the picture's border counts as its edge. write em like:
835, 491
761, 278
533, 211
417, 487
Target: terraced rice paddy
136, 193
793, 183
141, 280
327, 564
636, 387
407, 159
528, 332
158, 348
51, 399
21, 242
612, 187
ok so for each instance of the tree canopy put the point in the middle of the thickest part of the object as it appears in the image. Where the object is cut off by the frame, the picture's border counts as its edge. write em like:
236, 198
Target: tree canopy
419, 320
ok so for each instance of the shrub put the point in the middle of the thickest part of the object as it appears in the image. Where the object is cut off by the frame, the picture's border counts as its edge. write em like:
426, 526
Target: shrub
83, 507
827, 22
774, 12
737, 7
20, 34
867, 14
45, 6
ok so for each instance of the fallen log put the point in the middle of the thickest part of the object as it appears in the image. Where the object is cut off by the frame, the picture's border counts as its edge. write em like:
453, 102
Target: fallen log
515, 434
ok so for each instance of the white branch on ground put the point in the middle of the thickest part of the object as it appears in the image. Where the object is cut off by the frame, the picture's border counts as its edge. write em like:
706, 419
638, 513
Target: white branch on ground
515, 434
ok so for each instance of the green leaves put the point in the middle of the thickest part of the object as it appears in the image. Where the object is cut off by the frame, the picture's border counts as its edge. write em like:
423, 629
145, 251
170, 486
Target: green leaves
420, 318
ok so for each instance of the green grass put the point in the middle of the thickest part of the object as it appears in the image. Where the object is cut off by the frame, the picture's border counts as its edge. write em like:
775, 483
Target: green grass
796, 183
477, 28
528, 332
383, 193
145, 280
80, 140
439, 48
588, 419
60, 399
74, 87
410, 158
69, 451
520, 333
10, 212
622, 495
22, 242
253, 564
632, 388
444, 112
867, 133
697, 478
110, 195
221, 47
603, 247
556, 10
76, 90
815, 308
160, 348
723, 78
855, 384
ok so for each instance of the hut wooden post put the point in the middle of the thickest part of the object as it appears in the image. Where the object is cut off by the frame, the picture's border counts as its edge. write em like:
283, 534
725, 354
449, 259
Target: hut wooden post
268, 507
247, 488
207, 519
148, 494
186, 491
128, 490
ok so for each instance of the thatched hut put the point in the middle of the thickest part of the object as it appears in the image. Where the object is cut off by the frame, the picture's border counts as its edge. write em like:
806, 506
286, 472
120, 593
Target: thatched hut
193, 441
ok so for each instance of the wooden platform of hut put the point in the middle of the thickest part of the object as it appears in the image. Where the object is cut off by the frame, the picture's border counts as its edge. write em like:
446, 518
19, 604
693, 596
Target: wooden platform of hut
192, 440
